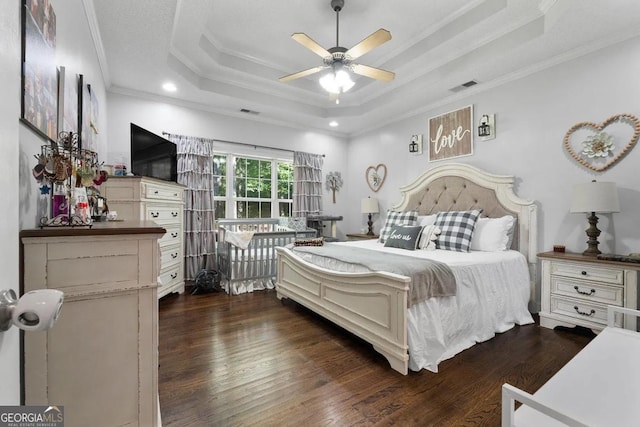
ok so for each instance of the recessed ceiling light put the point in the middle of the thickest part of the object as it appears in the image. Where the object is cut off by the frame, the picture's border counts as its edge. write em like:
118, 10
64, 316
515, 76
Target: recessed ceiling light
169, 87
333, 124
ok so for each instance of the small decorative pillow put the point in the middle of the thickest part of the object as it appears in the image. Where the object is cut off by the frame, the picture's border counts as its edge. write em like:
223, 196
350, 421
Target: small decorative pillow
428, 237
397, 218
493, 234
297, 223
404, 237
456, 229
317, 241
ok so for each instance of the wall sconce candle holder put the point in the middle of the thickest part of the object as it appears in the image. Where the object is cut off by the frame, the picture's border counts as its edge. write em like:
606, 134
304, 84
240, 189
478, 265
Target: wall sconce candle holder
487, 127
415, 146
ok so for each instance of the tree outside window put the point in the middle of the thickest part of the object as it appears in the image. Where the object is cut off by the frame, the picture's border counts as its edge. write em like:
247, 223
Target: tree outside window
262, 188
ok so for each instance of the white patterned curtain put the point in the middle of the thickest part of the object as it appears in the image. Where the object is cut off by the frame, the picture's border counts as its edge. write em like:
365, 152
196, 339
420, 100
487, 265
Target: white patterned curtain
307, 184
195, 170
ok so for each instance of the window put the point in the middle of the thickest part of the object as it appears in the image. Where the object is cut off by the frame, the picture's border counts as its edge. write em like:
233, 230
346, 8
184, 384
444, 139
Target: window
285, 188
220, 185
261, 188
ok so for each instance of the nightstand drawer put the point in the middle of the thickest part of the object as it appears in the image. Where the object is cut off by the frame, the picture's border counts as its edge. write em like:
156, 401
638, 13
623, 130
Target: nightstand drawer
588, 291
585, 311
588, 272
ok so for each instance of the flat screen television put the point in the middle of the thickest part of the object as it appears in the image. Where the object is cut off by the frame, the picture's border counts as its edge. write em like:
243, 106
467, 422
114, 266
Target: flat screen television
152, 155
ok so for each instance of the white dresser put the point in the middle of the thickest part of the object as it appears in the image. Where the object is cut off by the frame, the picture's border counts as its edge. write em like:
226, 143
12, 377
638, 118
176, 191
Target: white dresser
100, 360
141, 198
576, 290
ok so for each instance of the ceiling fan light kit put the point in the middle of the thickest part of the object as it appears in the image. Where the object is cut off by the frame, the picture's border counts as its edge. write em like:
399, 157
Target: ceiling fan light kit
337, 81
339, 60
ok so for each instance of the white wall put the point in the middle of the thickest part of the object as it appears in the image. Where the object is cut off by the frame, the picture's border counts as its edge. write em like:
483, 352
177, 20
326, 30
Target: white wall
76, 52
533, 114
9, 113
23, 203
159, 117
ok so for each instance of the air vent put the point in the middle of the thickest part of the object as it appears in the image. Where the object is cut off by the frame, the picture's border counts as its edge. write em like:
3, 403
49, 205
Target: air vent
463, 86
244, 110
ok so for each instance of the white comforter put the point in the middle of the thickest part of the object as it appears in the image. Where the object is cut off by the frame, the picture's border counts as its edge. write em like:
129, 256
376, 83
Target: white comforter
492, 296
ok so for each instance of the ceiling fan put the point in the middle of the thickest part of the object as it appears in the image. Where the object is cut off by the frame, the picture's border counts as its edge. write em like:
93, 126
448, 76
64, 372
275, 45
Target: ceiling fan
340, 60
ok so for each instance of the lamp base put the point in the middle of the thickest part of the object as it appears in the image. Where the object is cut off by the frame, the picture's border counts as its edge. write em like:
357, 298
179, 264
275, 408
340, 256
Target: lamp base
592, 233
370, 224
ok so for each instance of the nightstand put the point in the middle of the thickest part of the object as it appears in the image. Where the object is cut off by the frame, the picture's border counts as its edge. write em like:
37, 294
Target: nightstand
576, 290
361, 236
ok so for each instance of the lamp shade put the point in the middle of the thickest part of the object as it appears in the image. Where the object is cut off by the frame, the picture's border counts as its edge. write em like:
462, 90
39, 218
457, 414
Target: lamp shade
595, 197
369, 205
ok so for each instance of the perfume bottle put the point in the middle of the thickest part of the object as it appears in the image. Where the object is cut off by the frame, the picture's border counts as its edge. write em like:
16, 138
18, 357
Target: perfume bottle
82, 204
60, 201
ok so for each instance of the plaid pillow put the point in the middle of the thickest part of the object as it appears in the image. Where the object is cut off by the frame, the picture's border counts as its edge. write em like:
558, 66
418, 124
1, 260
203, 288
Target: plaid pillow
456, 229
397, 218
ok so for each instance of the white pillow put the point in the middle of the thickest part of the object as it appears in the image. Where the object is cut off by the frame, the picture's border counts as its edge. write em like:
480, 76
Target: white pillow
493, 234
428, 237
426, 220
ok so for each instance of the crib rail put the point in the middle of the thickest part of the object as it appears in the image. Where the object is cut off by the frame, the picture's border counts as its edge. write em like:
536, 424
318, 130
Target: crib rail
258, 260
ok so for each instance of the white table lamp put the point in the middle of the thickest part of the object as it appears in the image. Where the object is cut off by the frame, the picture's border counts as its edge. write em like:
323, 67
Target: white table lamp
592, 197
369, 206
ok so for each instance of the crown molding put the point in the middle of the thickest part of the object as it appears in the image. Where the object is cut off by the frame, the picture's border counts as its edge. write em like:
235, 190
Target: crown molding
90, 13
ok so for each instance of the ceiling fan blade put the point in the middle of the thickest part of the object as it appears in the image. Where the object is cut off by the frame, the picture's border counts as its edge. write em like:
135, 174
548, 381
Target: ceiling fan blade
310, 44
301, 74
374, 40
374, 73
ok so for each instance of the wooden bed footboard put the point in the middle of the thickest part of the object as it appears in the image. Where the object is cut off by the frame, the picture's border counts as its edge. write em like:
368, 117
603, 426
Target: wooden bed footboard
372, 306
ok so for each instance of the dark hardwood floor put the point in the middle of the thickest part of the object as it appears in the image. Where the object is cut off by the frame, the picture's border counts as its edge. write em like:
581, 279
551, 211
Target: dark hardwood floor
251, 360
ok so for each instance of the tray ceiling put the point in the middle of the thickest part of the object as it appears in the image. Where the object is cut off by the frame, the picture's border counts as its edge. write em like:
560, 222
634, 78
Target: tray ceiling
225, 56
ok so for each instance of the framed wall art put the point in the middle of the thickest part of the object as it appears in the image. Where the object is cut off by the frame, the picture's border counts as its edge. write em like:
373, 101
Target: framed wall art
84, 114
375, 176
67, 101
39, 109
93, 118
599, 146
451, 134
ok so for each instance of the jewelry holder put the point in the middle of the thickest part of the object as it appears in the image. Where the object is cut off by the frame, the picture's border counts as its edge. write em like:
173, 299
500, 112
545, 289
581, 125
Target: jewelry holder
69, 169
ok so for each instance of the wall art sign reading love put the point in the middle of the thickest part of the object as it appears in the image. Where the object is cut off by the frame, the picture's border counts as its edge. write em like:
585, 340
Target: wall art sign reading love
451, 134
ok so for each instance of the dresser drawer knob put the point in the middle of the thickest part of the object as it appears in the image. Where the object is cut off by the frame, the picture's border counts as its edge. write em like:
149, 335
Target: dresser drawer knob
155, 192
583, 313
174, 275
174, 214
591, 292
174, 235
155, 214
584, 273
174, 255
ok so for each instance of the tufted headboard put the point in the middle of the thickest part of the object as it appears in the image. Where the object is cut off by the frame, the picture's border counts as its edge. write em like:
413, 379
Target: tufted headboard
457, 186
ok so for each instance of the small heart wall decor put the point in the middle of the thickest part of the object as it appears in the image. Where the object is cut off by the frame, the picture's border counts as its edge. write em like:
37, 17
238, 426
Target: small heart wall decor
375, 176
599, 146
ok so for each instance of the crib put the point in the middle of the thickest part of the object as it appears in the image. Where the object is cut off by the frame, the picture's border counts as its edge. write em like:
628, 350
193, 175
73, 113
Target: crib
252, 265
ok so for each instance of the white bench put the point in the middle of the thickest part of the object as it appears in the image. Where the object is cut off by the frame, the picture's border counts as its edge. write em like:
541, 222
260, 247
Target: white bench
600, 386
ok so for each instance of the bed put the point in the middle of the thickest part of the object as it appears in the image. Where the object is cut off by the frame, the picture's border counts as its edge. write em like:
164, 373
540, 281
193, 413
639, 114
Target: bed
375, 305
246, 250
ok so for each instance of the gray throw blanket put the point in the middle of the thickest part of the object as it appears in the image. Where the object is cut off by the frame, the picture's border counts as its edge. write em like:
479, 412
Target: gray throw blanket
429, 278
